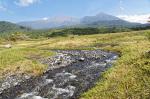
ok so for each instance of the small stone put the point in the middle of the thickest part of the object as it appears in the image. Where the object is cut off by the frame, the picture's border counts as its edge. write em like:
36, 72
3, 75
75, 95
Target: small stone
72, 76
81, 59
38, 97
27, 77
49, 81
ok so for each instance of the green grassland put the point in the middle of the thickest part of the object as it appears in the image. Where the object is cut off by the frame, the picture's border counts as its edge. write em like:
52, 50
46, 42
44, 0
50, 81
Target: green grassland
22, 60
129, 78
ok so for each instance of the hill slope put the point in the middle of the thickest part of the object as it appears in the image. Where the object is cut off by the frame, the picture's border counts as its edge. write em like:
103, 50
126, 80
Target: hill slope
6, 27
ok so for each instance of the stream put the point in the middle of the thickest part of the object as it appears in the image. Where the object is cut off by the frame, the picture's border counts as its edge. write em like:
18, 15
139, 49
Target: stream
69, 74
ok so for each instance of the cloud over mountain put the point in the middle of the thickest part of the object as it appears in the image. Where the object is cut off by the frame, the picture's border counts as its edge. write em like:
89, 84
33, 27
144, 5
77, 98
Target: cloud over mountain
136, 18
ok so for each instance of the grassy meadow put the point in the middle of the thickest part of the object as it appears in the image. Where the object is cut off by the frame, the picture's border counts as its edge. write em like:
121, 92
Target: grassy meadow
129, 78
22, 60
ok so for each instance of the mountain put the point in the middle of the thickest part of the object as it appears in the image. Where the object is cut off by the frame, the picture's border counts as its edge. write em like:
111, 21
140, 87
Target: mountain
98, 17
99, 20
105, 20
54, 22
6, 27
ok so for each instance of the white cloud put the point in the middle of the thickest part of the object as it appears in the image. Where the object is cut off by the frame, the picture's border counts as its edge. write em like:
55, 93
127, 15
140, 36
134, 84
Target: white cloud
25, 3
45, 18
136, 18
122, 8
121, 5
2, 8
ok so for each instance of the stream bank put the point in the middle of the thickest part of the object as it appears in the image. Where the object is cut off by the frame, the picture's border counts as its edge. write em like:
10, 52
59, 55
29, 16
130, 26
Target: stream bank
69, 73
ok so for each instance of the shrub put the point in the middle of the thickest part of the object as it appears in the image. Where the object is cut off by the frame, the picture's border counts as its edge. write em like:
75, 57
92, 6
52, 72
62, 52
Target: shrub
17, 36
55, 34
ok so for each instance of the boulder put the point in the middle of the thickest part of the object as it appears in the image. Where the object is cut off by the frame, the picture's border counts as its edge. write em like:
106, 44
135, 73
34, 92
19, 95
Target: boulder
8, 46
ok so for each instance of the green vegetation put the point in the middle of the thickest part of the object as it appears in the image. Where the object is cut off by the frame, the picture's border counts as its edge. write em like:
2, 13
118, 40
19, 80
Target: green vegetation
128, 78
7, 28
76, 31
12, 32
22, 60
148, 35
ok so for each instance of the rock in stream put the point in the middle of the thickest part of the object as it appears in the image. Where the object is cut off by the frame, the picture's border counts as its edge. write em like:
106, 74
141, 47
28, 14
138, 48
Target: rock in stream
70, 73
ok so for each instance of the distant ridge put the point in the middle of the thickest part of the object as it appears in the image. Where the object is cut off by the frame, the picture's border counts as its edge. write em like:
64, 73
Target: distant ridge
54, 22
99, 20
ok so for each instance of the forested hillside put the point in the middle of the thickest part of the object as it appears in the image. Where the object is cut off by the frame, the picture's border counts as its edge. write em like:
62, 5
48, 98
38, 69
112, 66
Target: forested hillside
6, 27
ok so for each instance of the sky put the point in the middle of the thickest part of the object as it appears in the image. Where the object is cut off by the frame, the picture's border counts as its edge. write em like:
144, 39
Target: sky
26, 10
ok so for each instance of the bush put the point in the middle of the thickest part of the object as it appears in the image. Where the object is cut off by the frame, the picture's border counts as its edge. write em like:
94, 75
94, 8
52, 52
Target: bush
17, 36
55, 34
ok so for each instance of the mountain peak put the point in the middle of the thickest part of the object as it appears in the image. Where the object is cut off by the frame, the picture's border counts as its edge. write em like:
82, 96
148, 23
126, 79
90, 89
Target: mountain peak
99, 17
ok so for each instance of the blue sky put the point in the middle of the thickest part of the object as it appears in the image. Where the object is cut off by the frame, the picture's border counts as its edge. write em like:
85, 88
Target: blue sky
23, 10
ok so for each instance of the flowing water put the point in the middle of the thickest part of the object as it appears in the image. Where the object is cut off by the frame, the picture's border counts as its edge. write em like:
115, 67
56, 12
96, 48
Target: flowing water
70, 73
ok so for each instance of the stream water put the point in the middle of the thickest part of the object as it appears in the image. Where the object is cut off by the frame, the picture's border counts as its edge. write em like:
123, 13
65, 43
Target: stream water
70, 73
